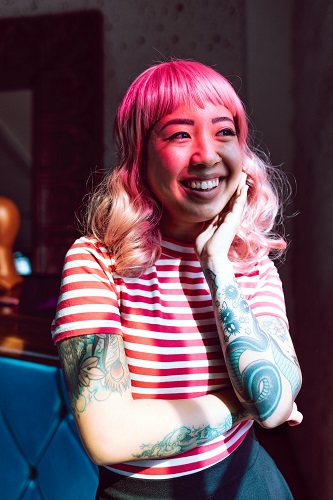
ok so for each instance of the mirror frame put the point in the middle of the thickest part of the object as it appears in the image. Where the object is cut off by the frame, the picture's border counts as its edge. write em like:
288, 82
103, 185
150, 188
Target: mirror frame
59, 57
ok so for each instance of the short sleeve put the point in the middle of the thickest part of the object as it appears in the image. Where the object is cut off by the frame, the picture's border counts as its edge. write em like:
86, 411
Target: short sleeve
263, 290
88, 302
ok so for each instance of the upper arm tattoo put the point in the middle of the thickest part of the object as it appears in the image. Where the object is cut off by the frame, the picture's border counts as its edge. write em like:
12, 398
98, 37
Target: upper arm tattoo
94, 367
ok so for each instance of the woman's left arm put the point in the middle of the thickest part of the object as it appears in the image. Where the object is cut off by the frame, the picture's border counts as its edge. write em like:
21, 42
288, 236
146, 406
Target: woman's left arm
258, 351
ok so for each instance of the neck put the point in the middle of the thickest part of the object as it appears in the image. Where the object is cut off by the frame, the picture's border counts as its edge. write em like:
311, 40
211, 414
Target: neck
184, 233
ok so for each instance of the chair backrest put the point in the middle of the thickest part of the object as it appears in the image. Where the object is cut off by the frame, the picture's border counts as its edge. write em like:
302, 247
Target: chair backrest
41, 455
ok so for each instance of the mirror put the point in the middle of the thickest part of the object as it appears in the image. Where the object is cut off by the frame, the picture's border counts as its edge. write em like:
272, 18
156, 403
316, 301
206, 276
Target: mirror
16, 159
54, 65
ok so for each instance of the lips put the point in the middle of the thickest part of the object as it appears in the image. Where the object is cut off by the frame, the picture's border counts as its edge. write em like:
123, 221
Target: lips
203, 185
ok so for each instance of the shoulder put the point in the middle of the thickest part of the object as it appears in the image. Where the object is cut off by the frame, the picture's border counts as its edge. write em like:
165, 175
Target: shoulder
267, 271
86, 249
263, 268
262, 286
262, 277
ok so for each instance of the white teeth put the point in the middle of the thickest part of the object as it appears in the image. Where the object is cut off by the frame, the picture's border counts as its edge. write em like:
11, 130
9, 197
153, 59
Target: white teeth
204, 185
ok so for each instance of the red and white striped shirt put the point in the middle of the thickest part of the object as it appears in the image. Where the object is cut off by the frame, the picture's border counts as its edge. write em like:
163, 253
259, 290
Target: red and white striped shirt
167, 323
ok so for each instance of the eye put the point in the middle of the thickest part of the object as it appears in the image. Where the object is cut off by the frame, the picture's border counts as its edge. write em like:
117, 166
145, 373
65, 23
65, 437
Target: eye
178, 135
225, 132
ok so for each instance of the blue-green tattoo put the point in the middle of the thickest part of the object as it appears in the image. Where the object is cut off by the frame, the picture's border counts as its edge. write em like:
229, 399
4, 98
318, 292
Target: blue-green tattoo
185, 438
94, 366
259, 384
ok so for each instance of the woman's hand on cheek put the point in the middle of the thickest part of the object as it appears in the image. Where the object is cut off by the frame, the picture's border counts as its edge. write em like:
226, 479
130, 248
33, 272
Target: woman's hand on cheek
218, 234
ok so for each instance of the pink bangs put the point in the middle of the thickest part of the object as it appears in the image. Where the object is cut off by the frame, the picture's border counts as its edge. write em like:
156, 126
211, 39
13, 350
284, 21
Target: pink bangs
161, 89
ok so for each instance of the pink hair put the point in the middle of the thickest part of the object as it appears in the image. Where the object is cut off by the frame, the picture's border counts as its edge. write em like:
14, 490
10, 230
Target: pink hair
123, 213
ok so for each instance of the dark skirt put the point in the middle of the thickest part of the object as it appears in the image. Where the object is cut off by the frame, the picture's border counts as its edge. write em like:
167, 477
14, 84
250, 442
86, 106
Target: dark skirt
249, 473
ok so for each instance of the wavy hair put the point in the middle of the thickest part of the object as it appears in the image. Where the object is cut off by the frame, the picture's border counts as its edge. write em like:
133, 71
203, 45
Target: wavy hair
124, 215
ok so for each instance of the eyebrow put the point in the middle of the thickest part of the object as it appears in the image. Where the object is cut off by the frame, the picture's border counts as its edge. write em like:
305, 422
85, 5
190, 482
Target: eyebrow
185, 121
222, 119
178, 121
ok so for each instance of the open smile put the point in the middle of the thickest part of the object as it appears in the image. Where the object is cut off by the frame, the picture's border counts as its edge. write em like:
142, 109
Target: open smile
203, 185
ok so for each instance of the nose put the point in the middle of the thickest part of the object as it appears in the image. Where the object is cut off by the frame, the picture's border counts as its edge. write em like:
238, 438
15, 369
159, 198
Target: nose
204, 153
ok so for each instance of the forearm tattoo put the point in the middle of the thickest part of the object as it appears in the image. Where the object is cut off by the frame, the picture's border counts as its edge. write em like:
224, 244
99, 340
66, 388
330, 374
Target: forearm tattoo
258, 384
94, 366
186, 438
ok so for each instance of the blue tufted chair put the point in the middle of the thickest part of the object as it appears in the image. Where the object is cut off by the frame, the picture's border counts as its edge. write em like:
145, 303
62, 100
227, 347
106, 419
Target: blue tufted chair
41, 456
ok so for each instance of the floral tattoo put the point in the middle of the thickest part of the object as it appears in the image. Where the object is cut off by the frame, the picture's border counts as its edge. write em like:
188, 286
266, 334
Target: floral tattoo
94, 366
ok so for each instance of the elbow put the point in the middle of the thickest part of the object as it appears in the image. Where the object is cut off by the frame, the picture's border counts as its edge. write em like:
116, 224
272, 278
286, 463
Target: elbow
104, 448
94, 452
100, 460
286, 411
279, 407
271, 416
101, 455
268, 419
275, 420
105, 437
96, 455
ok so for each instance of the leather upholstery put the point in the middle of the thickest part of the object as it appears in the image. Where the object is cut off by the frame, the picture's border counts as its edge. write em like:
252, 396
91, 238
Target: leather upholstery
41, 455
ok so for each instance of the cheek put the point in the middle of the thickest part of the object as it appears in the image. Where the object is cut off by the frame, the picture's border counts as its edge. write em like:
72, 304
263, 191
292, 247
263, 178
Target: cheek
234, 156
163, 168
157, 177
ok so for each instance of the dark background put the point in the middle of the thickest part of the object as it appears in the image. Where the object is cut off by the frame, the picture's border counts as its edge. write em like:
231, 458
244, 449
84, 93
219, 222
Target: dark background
278, 55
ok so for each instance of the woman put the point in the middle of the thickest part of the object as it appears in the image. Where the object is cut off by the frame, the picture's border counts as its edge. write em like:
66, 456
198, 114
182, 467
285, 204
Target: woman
171, 323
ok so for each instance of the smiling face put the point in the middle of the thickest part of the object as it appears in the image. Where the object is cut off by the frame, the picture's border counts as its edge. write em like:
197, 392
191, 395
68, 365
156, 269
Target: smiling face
194, 167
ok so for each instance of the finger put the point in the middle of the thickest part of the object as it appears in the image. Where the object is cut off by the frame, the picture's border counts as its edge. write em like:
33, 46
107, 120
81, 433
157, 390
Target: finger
240, 200
296, 419
242, 182
232, 219
225, 228
295, 416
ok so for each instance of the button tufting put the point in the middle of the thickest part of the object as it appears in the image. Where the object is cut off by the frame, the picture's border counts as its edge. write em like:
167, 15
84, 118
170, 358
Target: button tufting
33, 472
43, 435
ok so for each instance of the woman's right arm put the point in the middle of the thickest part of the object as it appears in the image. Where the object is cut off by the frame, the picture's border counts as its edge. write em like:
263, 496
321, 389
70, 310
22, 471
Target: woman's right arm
116, 428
